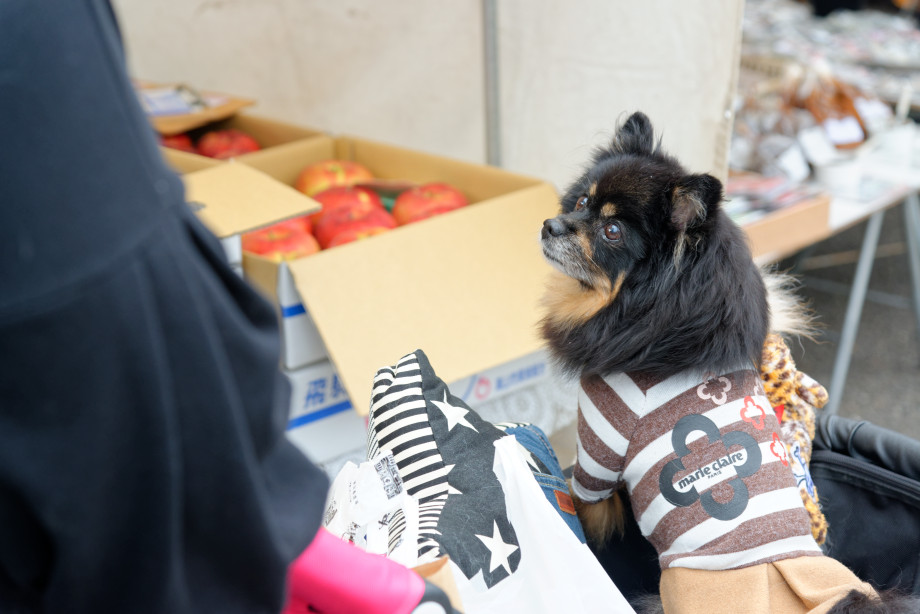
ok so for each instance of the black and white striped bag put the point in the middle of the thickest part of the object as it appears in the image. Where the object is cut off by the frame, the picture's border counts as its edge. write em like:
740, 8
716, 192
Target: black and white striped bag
434, 436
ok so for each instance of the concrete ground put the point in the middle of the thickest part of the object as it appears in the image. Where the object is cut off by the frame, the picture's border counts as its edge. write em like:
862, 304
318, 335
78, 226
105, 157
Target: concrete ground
883, 384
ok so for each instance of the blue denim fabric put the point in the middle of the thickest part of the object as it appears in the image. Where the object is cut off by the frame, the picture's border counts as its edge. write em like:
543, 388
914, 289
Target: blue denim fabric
536, 442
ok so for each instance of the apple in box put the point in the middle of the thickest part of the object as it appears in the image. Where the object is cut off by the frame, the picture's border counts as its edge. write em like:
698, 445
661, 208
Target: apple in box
321, 176
305, 222
182, 142
356, 223
363, 230
346, 208
287, 240
425, 201
344, 197
223, 144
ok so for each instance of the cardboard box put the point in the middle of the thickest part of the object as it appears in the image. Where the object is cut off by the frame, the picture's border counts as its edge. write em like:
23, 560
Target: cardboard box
464, 286
184, 162
216, 107
269, 133
784, 232
231, 198
502, 380
221, 113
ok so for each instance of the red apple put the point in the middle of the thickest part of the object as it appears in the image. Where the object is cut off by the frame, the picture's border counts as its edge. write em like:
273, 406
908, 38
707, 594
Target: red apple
223, 144
343, 196
305, 222
426, 201
282, 241
182, 142
321, 176
356, 233
345, 218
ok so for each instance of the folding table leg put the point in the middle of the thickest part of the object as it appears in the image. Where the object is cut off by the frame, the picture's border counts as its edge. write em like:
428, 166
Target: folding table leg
854, 311
912, 233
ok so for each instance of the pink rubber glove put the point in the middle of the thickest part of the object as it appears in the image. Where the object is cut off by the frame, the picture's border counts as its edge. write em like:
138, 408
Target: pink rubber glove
335, 577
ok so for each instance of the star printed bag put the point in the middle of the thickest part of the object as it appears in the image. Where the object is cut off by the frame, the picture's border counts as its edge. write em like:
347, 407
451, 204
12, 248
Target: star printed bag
365, 501
478, 502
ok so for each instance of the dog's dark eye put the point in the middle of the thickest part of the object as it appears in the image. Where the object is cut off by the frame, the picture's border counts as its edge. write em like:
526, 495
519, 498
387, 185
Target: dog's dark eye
581, 203
613, 233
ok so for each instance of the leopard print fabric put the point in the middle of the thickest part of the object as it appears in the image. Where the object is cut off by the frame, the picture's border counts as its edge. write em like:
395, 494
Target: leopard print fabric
800, 397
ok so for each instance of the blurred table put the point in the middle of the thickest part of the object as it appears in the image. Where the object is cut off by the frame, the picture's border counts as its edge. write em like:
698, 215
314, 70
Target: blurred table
895, 183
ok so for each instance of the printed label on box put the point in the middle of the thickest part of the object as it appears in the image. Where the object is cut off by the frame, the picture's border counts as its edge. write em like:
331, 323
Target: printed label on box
323, 396
501, 380
322, 422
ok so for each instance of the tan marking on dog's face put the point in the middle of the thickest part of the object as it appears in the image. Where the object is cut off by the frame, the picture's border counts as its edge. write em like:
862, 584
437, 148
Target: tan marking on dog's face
615, 291
586, 248
609, 210
569, 303
592, 190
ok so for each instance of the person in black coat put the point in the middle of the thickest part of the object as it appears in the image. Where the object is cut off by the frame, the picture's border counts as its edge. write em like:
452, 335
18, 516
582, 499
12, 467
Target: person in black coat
143, 462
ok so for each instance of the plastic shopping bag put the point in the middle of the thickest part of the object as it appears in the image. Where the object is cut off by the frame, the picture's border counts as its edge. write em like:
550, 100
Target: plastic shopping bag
556, 573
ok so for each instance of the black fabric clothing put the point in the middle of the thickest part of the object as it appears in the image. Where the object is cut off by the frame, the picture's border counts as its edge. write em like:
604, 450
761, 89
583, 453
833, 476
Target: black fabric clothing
143, 462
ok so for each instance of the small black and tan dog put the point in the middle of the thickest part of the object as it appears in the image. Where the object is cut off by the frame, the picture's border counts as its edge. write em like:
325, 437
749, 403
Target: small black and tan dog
654, 275
657, 306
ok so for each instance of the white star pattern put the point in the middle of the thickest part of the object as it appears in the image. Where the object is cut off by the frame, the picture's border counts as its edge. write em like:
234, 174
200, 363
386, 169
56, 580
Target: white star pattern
450, 489
499, 549
526, 455
455, 415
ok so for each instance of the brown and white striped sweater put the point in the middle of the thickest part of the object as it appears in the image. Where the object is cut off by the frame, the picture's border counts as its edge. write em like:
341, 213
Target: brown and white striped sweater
707, 473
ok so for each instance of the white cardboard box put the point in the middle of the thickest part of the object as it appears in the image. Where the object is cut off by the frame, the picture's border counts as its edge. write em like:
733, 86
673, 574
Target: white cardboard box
502, 380
322, 422
301, 341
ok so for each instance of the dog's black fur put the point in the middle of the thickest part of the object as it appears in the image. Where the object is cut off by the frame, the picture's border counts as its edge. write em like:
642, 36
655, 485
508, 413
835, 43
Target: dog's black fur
655, 278
691, 295
888, 602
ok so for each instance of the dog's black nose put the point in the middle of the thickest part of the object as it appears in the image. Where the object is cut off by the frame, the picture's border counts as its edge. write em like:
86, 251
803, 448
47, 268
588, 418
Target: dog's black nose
553, 227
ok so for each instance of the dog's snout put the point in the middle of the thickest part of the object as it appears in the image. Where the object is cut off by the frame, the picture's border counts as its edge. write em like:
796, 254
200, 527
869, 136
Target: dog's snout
554, 227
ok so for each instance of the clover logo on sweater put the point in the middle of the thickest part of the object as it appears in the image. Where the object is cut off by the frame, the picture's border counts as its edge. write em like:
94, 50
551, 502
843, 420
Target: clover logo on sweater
778, 449
743, 463
714, 389
753, 413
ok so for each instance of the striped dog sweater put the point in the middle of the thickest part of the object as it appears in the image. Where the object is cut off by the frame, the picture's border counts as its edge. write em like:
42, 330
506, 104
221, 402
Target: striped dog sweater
704, 463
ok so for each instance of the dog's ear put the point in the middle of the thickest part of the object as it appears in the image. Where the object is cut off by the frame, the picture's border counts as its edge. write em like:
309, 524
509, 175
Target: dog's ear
693, 199
635, 136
